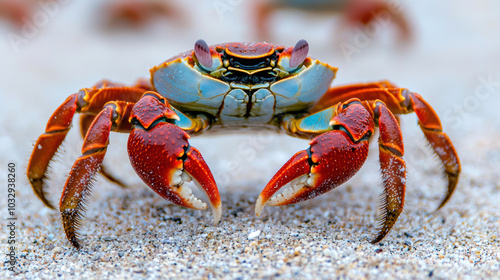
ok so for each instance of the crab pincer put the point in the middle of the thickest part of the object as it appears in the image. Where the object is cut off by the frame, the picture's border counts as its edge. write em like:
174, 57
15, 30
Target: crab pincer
162, 157
332, 158
316, 170
335, 156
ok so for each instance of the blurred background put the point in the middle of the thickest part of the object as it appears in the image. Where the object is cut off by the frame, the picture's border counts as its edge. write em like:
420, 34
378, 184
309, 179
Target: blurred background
447, 51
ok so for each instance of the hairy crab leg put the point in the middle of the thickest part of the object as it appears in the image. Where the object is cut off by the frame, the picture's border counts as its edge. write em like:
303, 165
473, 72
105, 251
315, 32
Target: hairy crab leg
87, 101
78, 184
162, 157
402, 101
47, 145
393, 167
440, 142
335, 156
85, 122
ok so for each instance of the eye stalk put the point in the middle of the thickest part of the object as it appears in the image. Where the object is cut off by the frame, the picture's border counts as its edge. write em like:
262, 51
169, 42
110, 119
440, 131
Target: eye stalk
299, 53
202, 52
292, 58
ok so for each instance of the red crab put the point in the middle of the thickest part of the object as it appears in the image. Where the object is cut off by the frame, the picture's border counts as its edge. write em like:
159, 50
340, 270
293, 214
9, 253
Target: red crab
352, 13
235, 86
16, 12
137, 14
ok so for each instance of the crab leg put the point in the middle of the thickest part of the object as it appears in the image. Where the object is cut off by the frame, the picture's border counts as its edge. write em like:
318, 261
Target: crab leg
364, 91
88, 101
161, 155
402, 101
440, 142
85, 122
335, 95
47, 145
78, 184
393, 167
335, 156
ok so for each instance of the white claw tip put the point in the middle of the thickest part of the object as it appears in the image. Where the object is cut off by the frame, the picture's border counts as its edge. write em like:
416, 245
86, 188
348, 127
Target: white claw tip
217, 212
190, 200
259, 206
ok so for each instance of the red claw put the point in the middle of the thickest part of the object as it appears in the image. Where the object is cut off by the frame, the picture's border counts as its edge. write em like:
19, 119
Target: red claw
332, 159
162, 157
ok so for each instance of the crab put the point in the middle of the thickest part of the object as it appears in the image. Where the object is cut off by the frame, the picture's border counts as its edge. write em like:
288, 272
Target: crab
15, 13
239, 86
136, 14
352, 13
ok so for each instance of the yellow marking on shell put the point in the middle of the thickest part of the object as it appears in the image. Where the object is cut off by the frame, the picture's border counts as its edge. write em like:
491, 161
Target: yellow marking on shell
250, 72
334, 69
86, 98
400, 96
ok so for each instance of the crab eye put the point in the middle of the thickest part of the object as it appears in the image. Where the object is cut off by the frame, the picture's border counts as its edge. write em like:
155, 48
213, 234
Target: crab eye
299, 53
202, 52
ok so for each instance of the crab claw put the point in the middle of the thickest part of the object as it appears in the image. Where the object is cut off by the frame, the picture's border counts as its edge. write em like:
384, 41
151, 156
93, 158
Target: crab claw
162, 157
332, 159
